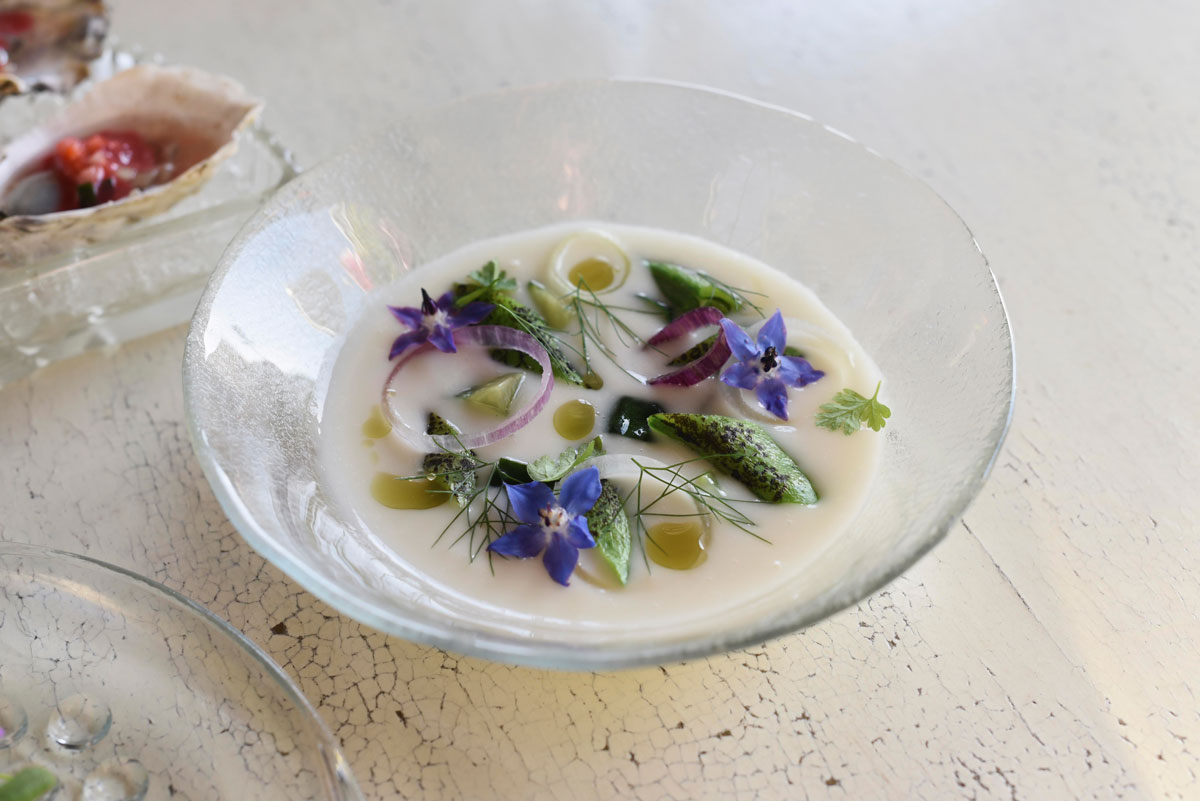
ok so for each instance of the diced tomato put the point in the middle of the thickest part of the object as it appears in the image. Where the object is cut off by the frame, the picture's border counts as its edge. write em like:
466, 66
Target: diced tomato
109, 162
15, 22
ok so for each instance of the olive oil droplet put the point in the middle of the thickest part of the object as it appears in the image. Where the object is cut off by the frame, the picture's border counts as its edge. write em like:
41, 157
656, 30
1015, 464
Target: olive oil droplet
376, 427
598, 274
575, 419
395, 492
678, 545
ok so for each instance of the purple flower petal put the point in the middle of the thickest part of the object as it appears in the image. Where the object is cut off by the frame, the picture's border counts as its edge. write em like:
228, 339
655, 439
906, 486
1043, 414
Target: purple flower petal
470, 314
442, 338
578, 533
560, 558
522, 542
773, 334
445, 302
739, 341
408, 315
528, 500
406, 341
580, 490
743, 375
772, 394
428, 306
797, 372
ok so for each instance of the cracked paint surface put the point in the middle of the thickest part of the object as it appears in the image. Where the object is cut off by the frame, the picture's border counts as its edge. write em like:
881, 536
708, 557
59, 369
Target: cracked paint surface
943, 685
1045, 650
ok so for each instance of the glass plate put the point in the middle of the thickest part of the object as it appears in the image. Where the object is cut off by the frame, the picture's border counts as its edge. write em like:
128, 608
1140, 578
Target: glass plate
147, 278
118, 684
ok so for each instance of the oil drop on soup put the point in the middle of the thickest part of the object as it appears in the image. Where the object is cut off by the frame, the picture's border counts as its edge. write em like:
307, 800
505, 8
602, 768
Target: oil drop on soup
698, 437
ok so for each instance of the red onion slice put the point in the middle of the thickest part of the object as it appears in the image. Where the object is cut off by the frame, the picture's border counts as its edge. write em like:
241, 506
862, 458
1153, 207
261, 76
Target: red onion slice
484, 336
706, 366
686, 324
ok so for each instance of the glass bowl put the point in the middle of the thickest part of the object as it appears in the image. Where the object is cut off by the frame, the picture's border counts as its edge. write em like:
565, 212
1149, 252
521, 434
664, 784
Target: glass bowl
884, 252
125, 689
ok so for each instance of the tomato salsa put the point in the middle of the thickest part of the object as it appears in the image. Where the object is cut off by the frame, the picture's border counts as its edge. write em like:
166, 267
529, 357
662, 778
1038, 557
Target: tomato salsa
105, 166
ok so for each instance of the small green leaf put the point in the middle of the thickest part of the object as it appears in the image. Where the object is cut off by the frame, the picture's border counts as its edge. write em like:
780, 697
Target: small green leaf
551, 468
28, 784
849, 411
609, 526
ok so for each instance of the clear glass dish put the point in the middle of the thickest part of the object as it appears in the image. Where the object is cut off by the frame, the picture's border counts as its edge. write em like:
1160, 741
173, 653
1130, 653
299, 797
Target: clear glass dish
879, 247
123, 688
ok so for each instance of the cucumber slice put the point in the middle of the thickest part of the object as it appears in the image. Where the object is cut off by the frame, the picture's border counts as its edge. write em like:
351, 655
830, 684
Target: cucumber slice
558, 314
495, 396
628, 417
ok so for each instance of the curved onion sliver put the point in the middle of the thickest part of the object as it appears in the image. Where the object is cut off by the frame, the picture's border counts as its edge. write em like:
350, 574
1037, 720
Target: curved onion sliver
484, 336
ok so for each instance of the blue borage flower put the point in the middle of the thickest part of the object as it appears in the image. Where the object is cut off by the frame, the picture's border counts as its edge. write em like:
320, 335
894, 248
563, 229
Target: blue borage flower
554, 527
762, 366
434, 322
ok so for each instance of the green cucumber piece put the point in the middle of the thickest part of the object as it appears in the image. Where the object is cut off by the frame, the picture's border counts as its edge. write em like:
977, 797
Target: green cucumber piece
628, 417
687, 289
556, 312
609, 526
496, 395
743, 450
453, 471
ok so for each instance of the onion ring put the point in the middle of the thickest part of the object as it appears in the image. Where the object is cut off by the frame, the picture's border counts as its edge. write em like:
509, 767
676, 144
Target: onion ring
485, 336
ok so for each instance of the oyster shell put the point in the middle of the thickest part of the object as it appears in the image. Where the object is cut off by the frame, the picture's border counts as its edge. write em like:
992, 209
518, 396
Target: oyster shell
47, 44
192, 117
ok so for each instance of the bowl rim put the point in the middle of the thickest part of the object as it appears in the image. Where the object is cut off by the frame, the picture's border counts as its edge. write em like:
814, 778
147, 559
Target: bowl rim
542, 653
338, 778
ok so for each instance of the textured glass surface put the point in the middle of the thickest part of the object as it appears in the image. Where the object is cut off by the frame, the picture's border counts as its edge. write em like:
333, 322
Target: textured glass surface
881, 249
114, 682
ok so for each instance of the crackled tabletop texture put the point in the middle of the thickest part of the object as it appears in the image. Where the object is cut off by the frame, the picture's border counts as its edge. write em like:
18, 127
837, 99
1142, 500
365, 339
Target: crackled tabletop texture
1047, 649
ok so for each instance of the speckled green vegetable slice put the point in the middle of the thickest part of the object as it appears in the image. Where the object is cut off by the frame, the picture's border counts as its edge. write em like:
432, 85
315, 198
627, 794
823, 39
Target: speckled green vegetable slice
610, 528
453, 471
743, 450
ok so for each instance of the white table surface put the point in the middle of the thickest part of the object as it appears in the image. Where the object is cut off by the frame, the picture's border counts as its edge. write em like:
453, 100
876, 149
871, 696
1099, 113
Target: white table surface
1048, 649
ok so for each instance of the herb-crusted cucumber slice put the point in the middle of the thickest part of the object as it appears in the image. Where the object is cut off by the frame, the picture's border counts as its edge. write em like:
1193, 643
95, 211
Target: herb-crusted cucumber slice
609, 526
741, 449
453, 471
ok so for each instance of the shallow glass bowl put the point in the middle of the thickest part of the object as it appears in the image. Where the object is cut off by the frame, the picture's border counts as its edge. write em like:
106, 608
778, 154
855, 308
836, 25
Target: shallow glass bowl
884, 252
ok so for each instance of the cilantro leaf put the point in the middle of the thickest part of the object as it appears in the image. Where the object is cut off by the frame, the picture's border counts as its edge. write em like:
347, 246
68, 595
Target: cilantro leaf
492, 279
551, 468
849, 411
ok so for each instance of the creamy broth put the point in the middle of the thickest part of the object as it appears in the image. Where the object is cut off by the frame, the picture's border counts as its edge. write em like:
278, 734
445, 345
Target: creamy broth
726, 566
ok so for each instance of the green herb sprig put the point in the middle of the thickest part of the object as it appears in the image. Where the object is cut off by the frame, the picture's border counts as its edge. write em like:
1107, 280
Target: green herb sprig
583, 300
850, 411
707, 501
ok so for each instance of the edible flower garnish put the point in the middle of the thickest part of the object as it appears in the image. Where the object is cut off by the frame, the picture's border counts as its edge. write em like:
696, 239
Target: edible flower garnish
762, 366
434, 322
557, 528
